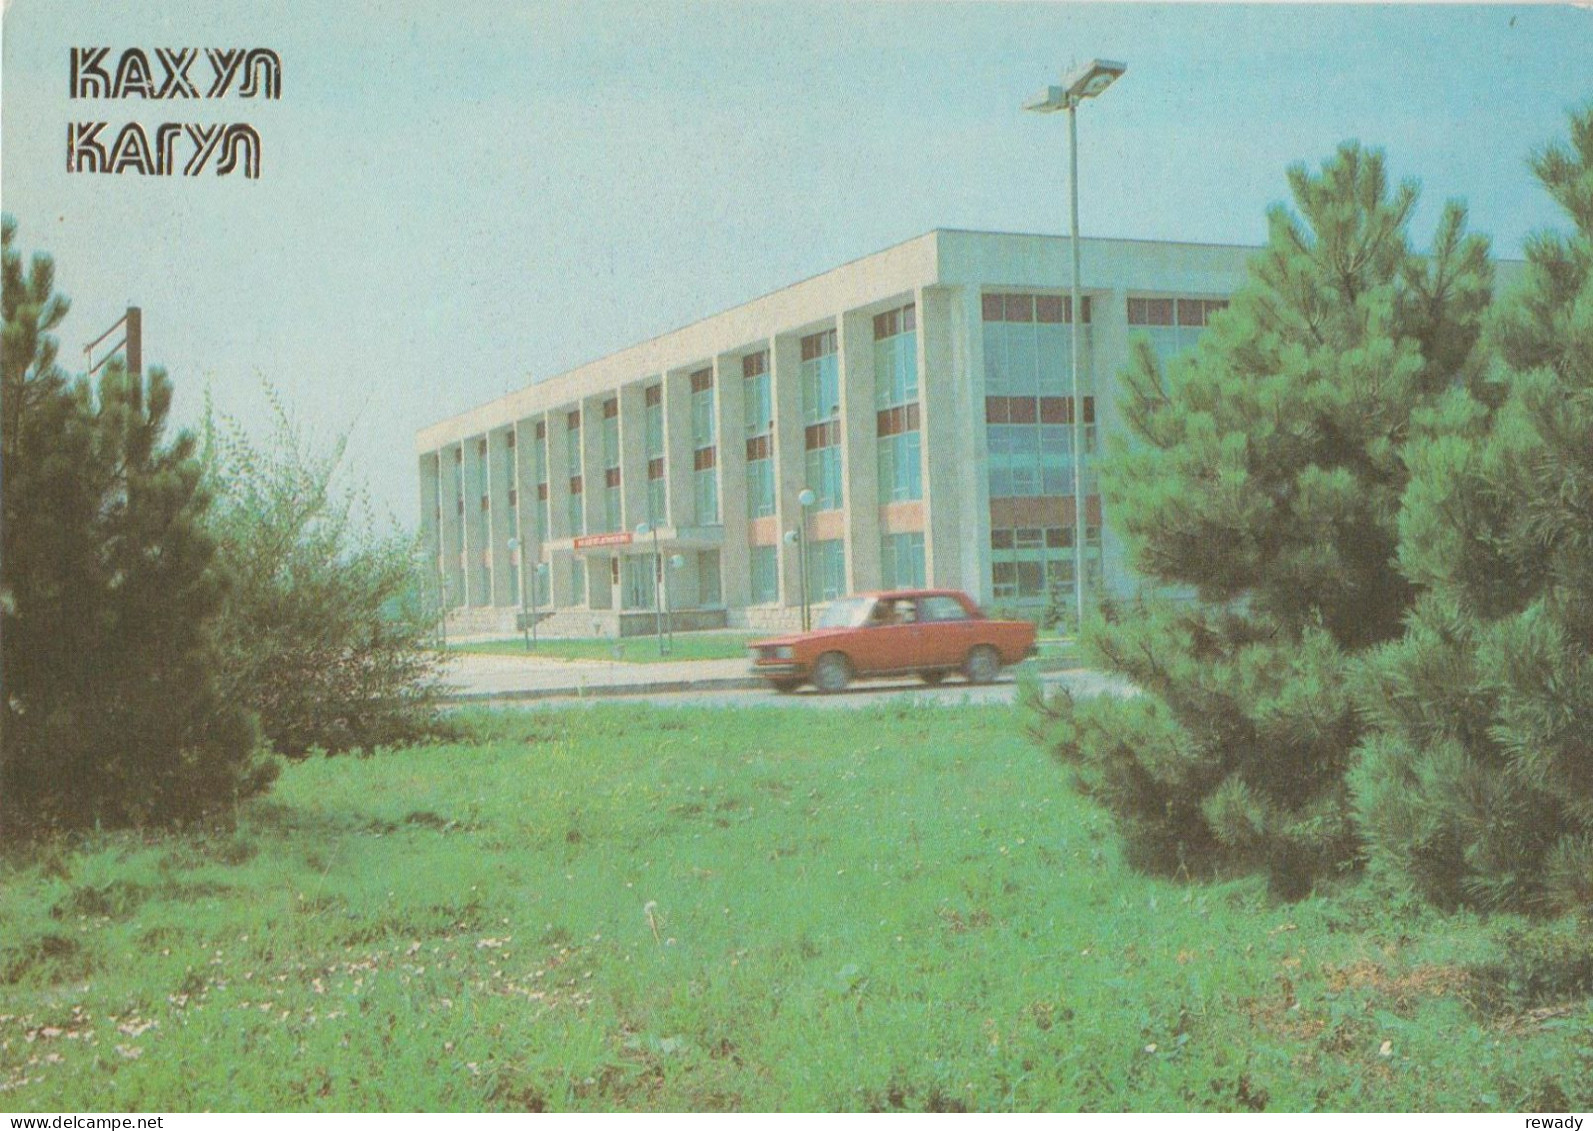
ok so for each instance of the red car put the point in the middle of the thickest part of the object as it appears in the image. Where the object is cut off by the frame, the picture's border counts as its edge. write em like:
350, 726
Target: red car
930, 633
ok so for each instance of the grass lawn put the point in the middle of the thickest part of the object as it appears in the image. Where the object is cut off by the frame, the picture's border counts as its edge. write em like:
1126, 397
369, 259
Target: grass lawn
623, 907
633, 649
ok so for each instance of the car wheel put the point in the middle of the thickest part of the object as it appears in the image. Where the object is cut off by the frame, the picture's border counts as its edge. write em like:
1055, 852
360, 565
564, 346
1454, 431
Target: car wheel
984, 664
785, 686
932, 678
832, 673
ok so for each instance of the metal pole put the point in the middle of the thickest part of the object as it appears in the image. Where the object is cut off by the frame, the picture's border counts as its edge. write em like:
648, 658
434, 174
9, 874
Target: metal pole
802, 545
525, 620
1078, 402
660, 583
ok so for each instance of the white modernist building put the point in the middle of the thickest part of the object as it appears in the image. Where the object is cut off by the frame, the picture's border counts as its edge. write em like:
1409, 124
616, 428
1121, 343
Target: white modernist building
922, 394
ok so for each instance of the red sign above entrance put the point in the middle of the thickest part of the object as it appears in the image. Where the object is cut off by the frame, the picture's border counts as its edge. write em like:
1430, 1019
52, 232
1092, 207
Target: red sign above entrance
591, 541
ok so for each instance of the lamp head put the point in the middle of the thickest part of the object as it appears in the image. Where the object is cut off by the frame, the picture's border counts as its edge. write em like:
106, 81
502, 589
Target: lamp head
1078, 84
806, 496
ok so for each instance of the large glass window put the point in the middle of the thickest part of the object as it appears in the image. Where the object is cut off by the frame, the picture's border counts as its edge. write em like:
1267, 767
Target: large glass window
760, 477
1033, 565
705, 487
578, 581
572, 443
759, 417
1171, 325
576, 510
1029, 345
821, 413
702, 408
653, 403
1030, 444
896, 357
902, 560
900, 467
765, 575
826, 570
820, 378
705, 474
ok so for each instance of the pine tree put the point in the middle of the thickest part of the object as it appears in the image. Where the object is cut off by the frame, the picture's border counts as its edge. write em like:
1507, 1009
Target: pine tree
111, 713
1264, 472
1476, 785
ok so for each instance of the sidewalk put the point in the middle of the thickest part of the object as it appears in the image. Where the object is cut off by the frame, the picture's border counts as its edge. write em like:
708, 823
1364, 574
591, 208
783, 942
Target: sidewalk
474, 678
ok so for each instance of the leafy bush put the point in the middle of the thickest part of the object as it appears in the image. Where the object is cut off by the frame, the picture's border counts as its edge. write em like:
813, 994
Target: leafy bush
325, 633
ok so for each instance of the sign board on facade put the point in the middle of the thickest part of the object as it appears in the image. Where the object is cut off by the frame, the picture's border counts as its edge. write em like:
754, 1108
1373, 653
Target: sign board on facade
592, 541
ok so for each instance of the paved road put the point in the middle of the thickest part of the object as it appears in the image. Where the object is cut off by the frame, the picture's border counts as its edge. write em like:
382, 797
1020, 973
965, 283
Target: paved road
860, 695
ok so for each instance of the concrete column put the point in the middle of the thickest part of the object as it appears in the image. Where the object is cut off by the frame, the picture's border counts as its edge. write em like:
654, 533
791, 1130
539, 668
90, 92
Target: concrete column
859, 452
477, 587
633, 453
429, 471
598, 584
731, 433
790, 456
500, 480
972, 491
678, 447
453, 527
945, 439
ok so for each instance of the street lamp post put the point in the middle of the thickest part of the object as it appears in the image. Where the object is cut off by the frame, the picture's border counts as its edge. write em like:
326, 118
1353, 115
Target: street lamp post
642, 531
525, 620
1080, 83
799, 538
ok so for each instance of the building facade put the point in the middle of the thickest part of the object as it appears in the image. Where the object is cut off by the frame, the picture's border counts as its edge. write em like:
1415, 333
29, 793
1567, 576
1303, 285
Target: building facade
922, 394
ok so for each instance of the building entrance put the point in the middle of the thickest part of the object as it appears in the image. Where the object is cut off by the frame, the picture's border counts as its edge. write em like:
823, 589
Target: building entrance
638, 581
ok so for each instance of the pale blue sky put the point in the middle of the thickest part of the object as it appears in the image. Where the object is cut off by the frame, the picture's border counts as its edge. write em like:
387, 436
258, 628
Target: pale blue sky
459, 198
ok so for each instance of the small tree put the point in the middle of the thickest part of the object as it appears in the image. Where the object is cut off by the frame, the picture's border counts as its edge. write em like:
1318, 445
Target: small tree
111, 711
1265, 471
325, 633
1477, 783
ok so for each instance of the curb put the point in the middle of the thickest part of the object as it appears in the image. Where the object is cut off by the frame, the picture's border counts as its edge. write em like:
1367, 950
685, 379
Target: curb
612, 690
656, 687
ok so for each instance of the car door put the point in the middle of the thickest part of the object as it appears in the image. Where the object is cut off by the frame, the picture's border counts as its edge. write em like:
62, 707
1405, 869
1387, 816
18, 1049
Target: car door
946, 632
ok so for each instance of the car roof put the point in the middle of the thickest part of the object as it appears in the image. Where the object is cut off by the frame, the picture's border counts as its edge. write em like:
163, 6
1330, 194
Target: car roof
914, 593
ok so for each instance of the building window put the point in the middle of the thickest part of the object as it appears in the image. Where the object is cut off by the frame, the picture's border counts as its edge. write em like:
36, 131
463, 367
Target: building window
823, 464
1171, 325
576, 511
1030, 444
902, 560
572, 443
1031, 565
578, 581
653, 402
657, 499
705, 486
820, 378
708, 590
759, 418
760, 477
900, 456
757, 398
1029, 345
896, 357
765, 575
826, 570
705, 478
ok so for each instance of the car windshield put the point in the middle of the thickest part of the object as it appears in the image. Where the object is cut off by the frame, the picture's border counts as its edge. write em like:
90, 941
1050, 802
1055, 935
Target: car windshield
848, 612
